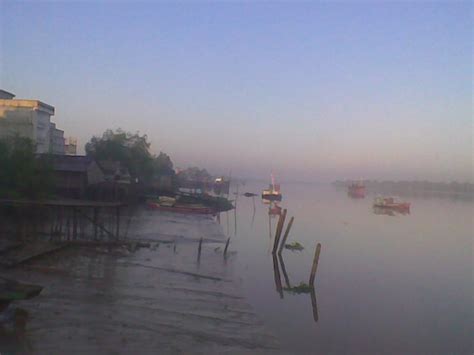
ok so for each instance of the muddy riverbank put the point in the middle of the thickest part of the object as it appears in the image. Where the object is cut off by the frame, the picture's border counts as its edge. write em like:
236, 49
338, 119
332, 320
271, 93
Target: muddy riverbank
157, 296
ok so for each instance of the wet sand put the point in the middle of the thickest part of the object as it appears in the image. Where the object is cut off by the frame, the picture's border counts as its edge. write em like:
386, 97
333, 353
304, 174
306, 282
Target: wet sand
127, 299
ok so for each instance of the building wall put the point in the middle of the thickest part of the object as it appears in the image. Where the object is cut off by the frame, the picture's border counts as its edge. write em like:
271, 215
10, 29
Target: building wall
21, 121
43, 132
94, 174
31, 119
71, 146
57, 145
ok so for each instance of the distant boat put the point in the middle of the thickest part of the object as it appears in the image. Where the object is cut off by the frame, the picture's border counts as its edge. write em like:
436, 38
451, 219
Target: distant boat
391, 203
273, 192
356, 190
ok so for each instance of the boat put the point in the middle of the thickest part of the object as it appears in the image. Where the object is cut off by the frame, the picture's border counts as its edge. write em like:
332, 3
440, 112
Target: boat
221, 185
193, 209
356, 190
391, 203
273, 192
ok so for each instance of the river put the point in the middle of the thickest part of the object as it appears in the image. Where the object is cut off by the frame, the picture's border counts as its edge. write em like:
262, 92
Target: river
384, 284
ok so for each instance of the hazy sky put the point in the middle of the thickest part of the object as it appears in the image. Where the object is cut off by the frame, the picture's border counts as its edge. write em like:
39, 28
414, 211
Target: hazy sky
312, 91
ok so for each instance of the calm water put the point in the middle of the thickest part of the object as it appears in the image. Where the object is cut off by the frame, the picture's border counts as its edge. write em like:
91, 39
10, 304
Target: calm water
385, 284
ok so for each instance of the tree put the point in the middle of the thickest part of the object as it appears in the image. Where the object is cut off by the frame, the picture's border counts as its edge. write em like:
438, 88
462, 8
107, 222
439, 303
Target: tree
132, 150
163, 165
22, 173
195, 174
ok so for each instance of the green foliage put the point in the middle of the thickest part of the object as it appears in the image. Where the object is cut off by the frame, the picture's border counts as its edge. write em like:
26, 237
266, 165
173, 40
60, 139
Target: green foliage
194, 174
22, 174
294, 246
301, 288
162, 165
133, 151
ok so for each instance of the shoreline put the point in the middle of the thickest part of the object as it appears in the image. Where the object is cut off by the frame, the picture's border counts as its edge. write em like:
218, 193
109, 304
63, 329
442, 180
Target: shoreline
164, 297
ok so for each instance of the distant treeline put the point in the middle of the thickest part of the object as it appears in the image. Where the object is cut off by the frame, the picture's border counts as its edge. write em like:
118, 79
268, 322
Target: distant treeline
450, 188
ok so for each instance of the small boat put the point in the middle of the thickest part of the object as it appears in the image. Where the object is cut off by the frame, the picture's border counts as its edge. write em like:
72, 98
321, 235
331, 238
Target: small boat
273, 192
391, 203
356, 190
188, 208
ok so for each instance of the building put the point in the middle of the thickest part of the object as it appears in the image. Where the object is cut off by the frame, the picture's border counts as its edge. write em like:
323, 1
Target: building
76, 176
71, 146
57, 142
30, 119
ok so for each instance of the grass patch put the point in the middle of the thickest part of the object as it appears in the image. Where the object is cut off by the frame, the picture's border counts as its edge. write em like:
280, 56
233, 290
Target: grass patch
294, 246
301, 288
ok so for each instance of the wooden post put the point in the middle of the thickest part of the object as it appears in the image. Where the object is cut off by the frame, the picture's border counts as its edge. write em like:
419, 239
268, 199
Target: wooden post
226, 246
276, 274
95, 221
287, 232
278, 231
74, 223
117, 226
283, 270
314, 305
199, 249
315, 264
68, 224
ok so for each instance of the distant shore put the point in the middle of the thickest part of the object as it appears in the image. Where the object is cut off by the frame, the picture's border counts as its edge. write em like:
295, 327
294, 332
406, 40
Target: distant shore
452, 189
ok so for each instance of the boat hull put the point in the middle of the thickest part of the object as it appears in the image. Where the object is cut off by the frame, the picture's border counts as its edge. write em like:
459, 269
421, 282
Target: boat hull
402, 207
182, 209
356, 191
271, 197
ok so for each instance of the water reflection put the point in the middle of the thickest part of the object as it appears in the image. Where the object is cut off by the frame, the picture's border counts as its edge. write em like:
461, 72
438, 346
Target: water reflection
276, 274
297, 290
402, 268
389, 212
12, 331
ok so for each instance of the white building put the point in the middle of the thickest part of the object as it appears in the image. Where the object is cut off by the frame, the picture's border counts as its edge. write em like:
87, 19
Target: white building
31, 119
71, 146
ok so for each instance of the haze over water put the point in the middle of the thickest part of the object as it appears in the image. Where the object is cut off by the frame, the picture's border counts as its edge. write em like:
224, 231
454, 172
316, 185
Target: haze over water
385, 284
313, 91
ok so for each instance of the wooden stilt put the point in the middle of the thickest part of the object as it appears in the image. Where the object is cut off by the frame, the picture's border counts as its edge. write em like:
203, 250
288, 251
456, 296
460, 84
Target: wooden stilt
226, 246
117, 226
278, 231
287, 232
315, 264
276, 274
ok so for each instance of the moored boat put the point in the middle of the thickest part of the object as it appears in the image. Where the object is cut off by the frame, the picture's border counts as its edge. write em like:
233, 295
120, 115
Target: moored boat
273, 192
391, 203
193, 209
356, 190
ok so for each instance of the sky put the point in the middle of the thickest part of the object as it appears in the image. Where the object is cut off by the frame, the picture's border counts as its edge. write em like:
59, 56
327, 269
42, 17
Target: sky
313, 91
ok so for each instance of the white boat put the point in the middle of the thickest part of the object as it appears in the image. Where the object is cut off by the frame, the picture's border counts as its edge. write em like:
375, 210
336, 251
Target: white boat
273, 192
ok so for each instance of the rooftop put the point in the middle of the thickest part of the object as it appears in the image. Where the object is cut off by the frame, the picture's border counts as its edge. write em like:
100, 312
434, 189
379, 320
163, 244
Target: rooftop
6, 95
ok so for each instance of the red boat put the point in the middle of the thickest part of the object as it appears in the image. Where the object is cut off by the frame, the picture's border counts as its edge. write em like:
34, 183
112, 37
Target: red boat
356, 190
274, 210
392, 203
193, 209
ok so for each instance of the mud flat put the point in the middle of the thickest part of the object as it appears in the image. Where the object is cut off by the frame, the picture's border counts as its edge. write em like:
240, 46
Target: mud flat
125, 299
